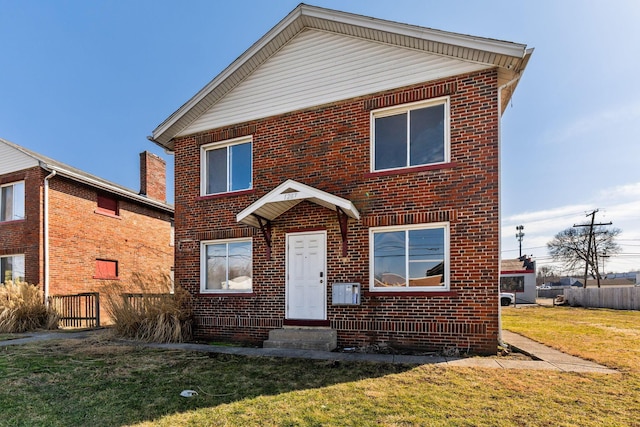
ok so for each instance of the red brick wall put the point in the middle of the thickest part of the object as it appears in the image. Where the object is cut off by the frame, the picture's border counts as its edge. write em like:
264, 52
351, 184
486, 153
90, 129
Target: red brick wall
138, 239
153, 176
329, 148
24, 236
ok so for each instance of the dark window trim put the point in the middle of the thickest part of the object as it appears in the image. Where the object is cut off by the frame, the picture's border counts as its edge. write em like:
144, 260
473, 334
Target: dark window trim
410, 294
227, 294
108, 213
227, 194
412, 169
12, 221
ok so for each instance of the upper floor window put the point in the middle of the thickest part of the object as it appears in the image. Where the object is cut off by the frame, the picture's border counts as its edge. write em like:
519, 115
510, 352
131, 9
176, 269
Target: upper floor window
12, 201
410, 258
411, 135
226, 166
107, 205
226, 266
12, 268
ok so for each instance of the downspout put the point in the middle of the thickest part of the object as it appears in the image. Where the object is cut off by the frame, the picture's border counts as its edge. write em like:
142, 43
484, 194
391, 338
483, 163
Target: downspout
45, 239
500, 89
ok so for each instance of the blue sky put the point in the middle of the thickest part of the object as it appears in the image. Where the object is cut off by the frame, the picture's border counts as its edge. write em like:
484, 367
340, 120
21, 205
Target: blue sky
85, 82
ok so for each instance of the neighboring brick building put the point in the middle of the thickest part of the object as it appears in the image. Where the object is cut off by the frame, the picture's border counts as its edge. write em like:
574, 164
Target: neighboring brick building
343, 173
71, 232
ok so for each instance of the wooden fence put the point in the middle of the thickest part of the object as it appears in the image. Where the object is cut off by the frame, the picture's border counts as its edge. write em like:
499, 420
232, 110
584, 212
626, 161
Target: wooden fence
141, 301
621, 298
77, 311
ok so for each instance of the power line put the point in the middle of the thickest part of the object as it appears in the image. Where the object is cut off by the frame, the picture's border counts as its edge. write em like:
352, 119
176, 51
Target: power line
559, 216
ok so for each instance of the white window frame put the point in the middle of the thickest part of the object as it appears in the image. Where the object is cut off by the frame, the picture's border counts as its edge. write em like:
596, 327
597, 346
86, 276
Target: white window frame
204, 167
23, 201
203, 266
407, 288
23, 264
391, 111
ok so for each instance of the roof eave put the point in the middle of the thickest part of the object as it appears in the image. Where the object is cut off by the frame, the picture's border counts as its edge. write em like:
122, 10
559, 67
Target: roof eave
516, 76
106, 187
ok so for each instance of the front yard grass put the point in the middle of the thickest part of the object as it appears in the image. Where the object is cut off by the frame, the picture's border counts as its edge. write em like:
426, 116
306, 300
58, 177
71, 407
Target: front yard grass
101, 383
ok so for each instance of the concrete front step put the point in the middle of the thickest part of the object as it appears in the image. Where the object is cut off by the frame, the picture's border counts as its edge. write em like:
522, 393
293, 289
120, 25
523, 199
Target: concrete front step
324, 339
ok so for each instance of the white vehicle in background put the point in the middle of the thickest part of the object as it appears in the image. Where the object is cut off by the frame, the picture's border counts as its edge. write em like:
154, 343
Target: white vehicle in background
507, 298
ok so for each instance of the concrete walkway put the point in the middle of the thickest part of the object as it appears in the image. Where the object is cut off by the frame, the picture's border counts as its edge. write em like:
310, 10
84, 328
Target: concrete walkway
548, 358
545, 358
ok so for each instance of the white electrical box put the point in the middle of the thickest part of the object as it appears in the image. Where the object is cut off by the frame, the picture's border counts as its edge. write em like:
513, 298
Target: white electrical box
346, 293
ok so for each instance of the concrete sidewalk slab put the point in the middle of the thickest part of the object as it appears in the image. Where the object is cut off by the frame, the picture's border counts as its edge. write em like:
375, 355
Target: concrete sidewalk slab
554, 358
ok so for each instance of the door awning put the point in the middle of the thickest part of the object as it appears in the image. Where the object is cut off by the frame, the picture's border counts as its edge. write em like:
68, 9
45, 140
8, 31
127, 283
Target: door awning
287, 195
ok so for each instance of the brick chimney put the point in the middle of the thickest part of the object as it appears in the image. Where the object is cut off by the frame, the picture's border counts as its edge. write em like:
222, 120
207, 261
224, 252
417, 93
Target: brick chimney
153, 176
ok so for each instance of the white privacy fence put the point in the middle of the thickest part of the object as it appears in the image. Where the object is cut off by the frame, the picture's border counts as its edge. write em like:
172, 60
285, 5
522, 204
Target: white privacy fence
621, 298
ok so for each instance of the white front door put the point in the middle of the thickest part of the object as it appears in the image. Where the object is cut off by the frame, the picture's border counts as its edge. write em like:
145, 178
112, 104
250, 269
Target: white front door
306, 276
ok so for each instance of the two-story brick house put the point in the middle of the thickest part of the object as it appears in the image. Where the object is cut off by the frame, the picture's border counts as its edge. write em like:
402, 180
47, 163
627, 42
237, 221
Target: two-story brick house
71, 232
343, 174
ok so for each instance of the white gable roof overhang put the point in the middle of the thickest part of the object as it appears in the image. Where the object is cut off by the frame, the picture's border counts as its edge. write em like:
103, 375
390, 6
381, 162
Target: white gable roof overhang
287, 195
510, 58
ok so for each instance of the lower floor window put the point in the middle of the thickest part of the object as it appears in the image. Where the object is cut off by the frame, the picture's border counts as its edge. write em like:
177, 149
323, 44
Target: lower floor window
226, 266
410, 257
12, 268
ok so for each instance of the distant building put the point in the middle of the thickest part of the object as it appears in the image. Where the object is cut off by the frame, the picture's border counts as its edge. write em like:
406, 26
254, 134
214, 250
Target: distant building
71, 232
519, 276
566, 281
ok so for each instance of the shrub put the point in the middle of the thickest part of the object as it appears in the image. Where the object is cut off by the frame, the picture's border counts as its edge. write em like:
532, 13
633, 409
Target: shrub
22, 309
148, 315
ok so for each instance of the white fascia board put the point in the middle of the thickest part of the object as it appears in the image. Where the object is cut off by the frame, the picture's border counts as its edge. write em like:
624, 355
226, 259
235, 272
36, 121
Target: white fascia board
478, 43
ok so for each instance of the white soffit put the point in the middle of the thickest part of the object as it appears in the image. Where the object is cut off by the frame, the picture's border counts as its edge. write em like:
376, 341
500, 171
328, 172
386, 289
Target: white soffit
317, 68
286, 196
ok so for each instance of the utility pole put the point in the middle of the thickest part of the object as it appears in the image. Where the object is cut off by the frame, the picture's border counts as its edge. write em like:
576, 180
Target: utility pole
591, 243
519, 236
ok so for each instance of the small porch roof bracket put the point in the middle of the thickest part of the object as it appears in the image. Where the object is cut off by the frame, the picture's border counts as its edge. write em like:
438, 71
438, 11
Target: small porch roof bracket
265, 228
343, 221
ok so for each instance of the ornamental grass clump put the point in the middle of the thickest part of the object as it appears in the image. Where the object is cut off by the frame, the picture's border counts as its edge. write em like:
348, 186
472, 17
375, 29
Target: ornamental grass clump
152, 314
22, 309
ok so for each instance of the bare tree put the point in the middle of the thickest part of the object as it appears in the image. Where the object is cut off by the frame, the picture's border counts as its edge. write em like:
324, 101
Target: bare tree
544, 273
571, 247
